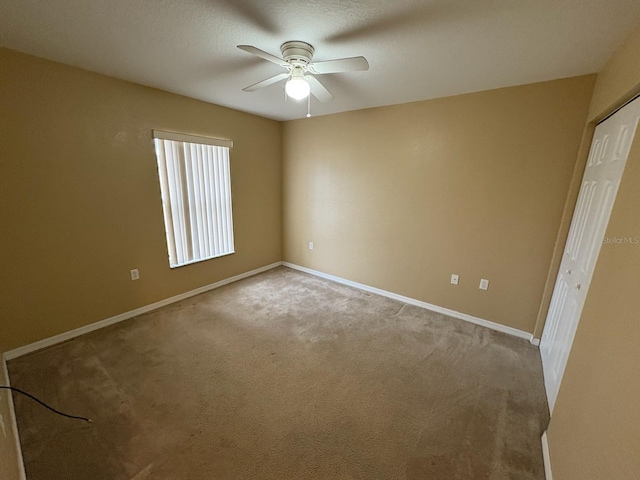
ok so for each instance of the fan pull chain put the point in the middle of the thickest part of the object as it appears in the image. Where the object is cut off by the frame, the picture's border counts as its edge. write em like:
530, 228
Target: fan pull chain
308, 106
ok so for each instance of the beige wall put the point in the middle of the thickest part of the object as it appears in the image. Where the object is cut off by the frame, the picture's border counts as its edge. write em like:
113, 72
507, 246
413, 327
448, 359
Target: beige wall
80, 200
401, 197
9, 461
595, 427
619, 80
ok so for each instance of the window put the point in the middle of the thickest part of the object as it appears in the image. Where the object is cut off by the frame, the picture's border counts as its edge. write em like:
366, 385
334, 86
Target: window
195, 183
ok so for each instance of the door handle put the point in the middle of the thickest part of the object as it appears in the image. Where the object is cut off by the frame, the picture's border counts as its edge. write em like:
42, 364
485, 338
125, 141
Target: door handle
569, 272
578, 286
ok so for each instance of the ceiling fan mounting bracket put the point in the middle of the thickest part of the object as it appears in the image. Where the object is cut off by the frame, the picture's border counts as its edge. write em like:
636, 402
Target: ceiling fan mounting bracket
297, 53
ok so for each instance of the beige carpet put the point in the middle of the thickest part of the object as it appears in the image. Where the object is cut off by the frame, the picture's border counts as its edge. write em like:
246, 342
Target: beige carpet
285, 376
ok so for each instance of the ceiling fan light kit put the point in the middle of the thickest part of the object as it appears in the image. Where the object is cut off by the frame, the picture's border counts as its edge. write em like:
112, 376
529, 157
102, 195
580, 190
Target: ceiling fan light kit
297, 86
300, 79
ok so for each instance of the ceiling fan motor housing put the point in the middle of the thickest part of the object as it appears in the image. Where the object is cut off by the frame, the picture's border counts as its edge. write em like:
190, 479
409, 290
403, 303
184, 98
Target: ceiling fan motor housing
297, 53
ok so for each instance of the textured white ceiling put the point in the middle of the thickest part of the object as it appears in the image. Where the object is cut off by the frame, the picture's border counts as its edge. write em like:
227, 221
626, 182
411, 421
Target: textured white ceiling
417, 49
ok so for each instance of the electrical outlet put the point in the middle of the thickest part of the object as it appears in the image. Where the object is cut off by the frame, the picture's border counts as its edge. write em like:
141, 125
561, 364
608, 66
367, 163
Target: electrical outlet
454, 279
484, 284
310, 245
135, 275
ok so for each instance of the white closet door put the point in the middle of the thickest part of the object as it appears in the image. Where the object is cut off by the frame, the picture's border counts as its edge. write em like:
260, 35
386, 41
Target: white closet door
605, 166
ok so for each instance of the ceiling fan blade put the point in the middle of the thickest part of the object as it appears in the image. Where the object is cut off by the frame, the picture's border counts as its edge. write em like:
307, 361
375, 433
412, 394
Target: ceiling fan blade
318, 90
267, 82
264, 55
354, 64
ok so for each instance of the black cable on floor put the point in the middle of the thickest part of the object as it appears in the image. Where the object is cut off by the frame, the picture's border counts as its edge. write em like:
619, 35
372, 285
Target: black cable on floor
44, 404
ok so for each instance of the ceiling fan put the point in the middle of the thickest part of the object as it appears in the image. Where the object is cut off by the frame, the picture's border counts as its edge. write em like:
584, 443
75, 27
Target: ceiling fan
296, 59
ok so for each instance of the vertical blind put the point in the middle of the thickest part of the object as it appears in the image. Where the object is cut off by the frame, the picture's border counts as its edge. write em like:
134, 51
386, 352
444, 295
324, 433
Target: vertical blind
195, 184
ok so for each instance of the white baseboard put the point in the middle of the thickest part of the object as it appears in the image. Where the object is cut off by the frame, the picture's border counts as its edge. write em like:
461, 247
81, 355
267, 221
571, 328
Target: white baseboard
546, 458
63, 337
535, 341
14, 422
412, 301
